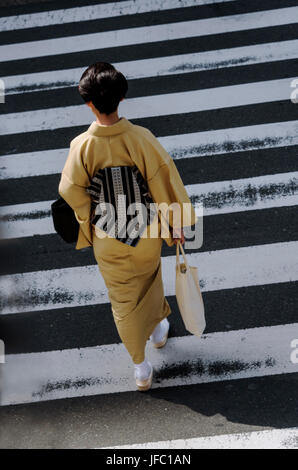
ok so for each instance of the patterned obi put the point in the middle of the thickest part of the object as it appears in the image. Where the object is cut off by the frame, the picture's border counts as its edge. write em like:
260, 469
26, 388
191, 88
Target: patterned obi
122, 205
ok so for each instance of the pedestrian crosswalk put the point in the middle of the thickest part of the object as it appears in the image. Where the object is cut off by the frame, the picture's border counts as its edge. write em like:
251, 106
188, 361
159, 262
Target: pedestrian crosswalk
268, 91
148, 34
213, 81
105, 369
94, 12
171, 65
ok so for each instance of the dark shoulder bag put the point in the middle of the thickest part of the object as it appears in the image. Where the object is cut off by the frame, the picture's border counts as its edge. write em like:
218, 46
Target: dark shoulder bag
65, 222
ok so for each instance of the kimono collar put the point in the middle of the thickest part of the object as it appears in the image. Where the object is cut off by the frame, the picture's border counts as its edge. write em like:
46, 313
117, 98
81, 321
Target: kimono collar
117, 128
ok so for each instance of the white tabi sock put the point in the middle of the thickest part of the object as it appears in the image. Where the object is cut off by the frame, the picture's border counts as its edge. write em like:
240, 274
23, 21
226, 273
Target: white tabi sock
160, 331
143, 370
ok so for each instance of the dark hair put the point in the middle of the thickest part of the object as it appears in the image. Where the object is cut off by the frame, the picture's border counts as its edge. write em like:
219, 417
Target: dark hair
105, 86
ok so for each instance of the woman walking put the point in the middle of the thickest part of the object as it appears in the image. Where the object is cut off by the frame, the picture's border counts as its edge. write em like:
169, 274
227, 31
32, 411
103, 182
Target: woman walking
132, 274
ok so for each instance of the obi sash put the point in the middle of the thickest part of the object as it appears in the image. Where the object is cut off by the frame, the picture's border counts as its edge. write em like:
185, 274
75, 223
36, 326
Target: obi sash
123, 187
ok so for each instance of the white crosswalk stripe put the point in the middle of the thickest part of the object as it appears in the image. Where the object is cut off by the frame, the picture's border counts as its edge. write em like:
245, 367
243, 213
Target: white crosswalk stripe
268, 439
218, 197
197, 144
220, 269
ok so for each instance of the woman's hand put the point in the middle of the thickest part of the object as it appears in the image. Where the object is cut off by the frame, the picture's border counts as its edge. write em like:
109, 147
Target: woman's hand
178, 234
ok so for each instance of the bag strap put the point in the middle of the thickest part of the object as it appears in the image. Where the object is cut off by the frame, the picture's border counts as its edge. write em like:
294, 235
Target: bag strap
179, 245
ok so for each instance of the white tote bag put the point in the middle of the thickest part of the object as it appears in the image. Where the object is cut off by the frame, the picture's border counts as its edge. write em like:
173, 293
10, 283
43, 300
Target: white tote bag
188, 295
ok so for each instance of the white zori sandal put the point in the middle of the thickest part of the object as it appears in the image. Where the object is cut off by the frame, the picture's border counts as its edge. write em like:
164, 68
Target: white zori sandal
143, 383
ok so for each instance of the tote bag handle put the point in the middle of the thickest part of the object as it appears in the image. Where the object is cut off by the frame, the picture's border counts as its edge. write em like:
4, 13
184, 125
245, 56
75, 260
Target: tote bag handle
179, 246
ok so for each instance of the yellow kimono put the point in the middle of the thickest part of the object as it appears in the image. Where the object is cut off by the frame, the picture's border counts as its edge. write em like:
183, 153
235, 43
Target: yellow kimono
132, 275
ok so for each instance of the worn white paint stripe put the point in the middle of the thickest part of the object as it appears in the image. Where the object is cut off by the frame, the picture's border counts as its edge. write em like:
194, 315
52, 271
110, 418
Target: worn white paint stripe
260, 192
267, 439
95, 12
83, 285
232, 355
217, 197
160, 66
26, 220
45, 162
152, 106
149, 34
197, 144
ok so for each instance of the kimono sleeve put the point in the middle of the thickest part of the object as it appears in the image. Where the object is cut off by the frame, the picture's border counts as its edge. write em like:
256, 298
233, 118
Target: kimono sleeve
72, 188
166, 186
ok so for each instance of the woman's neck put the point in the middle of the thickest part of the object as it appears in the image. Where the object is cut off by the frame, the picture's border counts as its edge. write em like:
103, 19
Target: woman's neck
107, 119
